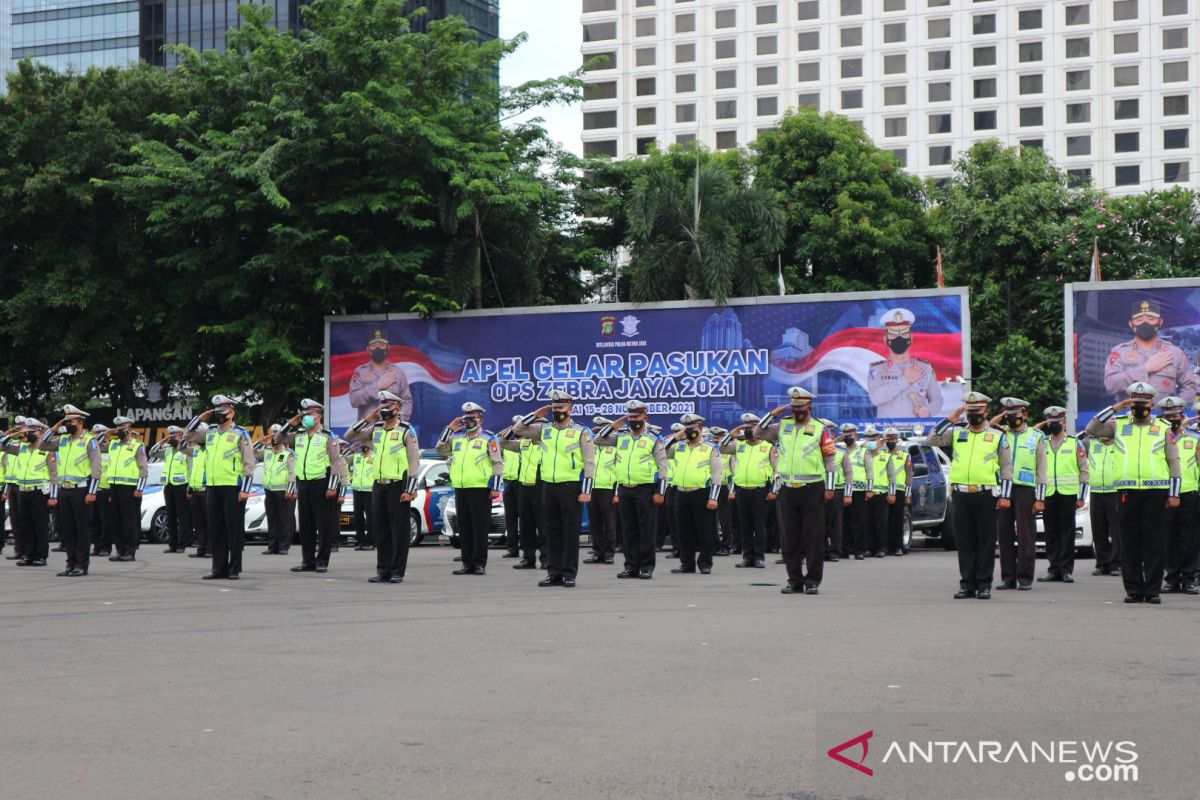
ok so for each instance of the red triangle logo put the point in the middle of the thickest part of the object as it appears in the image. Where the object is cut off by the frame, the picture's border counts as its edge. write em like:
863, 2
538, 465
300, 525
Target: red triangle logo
862, 739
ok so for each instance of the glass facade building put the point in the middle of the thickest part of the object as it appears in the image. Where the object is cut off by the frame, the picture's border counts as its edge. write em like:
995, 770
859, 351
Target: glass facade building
5, 41
74, 34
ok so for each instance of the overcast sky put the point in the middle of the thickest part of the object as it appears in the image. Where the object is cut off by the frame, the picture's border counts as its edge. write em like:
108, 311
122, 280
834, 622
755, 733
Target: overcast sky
552, 49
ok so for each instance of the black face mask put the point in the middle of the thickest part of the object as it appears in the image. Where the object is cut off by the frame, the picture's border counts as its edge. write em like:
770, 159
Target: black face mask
692, 434
800, 414
1146, 331
747, 435
31, 437
560, 416
120, 435
1054, 428
218, 417
892, 445
1176, 424
386, 414
636, 425
975, 419
471, 422
900, 344
72, 428
379, 356
850, 439
1140, 412
1014, 420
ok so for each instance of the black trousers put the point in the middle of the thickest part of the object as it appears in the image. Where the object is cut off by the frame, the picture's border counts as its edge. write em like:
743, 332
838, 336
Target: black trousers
833, 521
390, 523
512, 516
1015, 529
724, 519
562, 516
317, 521
14, 514
179, 517
102, 522
474, 518
857, 532
127, 512
75, 527
877, 523
602, 515
530, 521
773, 526
35, 524
666, 527
1143, 532
1105, 511
6, 511
1182, 539
1059, 521
697, 528
639, 520
281, 520
895, 522
802, 511
226, 529
750, 502
199, 503
364, 527
975, 529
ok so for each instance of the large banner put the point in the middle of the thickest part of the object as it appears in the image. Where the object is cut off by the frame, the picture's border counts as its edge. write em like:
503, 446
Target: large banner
1121, 332
896, 357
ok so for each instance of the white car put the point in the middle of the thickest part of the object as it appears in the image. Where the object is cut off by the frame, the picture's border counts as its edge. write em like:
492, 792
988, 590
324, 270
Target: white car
433, 490
1084, 546
154, 514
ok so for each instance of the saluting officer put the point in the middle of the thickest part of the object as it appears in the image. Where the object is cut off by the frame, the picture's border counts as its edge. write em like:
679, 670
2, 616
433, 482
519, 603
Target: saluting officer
1149, 477
529, 494
835, 507
1016, 525
641, 470
476, 473
980, 482
197, 497
37, 489
602, 510
320, 475
397, 459
726, 541
512, 492
697, 480
1182, 539
1104, 507
362, 483
877, 504
78, 481
860, 488
279, 493
900, 475
1066, 491
175, 478
752, 467
128, 470
804, 482
103, 532
8, 494
568, 469
229, 473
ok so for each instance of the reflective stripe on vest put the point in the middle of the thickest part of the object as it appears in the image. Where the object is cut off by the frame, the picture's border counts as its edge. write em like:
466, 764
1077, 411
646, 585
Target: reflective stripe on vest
606, 468
362, 472
1062, 468
753, 465
562, 460
1187, 463
470, 462
635, 458
105, 470
1024, 453
1142, 463
223, 459
33, 468
899, 461
391, 453
275, 475
531, 457
74, 464
175, 467
800, 456
692, 468
123, 462
512, 466
839, 472
975, 458
879, 464
858, 466
196, 476
1102, 467
312, 456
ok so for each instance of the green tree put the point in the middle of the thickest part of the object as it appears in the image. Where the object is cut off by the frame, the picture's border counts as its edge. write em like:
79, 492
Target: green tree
855, 219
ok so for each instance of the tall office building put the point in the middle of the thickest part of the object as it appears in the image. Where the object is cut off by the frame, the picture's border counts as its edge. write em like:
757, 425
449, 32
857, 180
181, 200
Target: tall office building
1107, 87
74, 33
5, 41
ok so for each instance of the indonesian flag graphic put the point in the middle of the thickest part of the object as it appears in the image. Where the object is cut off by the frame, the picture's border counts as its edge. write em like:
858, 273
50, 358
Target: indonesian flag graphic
852, 351
416, 365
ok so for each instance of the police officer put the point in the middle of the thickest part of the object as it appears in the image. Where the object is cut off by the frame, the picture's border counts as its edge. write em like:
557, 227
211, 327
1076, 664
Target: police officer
197, 498
397, 459
320, 476
1183, 538
900, 476
1148, 359
860, 482
641, 470
37, 489
529, 494
279, 493
8, 494
726, 527
1104, 506
568, 469
752, 466
229, 472
379, 375
666, 520
697, 479
877, 503
980, 483
602, 510
1066, 491
902, 387
128, 470
512, 492
362, 482
175, 478
103, 532
806, 473
1016, 525
476, 473
1149, 478
78, 481
835, 507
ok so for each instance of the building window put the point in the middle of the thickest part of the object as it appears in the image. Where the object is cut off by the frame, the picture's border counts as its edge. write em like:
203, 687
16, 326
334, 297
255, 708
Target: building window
808, 71
1175, 139
1079, 112
983, 56
725, 48
894, 32
645, 56
1175, 71
644, 27
1125, 109
852, 98
606, 148
901, 154
1079, 145
645, 144
1079, 177
726, 140
767, 76
725, 18
1031, 117
985, 120
685, 23
939, 59
726, 79
983, 23
1030, 84
939, 92
808, 9
895, 95
808, 100
852, 67
1079, 48
936, 3
895, 64
1171, 8
939, 123
1126, 142
646, 87
1125, 42
1029, 20
766, 45
725, 109
1032, 144
685, 112
1127, 76
1029, 51
895, 126
600, 32
647, 116
766, 15
685, 138
851, 7
1175, 38
808, 40
1175, 171
1079, 79
594, 120
893, 5
985, 87
590, 6
939, 155
1174, 105
1127, 176
939, 28
685, 83
1078, 15
1125, 9
766, 106
600, 91
648, 3
598, 61
851, 37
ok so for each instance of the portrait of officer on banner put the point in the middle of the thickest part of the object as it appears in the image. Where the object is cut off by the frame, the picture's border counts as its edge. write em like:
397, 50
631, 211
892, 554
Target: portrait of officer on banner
1147, 358
379, 375
900, 386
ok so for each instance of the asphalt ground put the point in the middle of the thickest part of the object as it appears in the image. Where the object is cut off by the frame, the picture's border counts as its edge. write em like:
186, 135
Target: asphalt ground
143, 681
